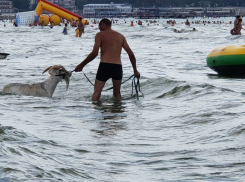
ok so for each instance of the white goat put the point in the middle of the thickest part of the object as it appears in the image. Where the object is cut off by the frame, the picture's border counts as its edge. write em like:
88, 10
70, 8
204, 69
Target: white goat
43, 89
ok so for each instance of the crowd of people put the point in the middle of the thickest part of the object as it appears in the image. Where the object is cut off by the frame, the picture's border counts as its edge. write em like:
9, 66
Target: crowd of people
236, 30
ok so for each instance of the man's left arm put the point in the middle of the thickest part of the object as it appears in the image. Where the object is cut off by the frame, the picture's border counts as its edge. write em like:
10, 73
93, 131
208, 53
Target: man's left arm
92, 55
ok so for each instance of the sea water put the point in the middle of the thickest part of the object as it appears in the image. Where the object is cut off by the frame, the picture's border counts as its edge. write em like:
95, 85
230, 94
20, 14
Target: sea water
189, 126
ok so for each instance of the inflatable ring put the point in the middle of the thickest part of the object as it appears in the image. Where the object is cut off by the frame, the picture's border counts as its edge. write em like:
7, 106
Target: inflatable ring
229, 61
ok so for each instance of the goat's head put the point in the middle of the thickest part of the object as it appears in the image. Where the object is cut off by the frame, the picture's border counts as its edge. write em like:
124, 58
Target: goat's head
59, 70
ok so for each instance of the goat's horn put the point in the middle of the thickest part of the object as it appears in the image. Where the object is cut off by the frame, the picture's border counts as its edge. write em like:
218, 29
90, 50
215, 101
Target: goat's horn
46, 69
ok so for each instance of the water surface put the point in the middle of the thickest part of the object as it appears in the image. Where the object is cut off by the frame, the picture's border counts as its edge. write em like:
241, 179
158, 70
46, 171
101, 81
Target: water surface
188, 127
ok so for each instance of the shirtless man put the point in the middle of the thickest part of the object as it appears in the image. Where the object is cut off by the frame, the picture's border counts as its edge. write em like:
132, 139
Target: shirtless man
111, 44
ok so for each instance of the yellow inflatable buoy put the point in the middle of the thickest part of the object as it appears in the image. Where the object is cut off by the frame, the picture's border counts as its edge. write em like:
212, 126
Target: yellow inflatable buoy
55, 19
43, 20
77, 32
229, 60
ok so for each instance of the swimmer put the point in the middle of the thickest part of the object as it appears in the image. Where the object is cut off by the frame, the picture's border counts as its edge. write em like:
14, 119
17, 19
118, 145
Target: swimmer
86, 23
177, 31
80, 27
237, 29
73, 23
139, 22
187, 22
236, 20
35, 23
65, 29
51, 24
15, 24
234, 31
111, 43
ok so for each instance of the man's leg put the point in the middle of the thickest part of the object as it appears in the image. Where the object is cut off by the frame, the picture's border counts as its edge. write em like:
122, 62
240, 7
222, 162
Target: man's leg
116, 89
98, 86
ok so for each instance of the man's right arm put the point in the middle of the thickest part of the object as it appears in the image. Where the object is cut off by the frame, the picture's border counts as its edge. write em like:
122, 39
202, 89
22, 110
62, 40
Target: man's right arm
92, 55
131, 57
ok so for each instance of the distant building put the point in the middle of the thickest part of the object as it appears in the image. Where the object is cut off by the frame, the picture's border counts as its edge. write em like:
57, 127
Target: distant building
6, 7
94, 10
6, 10
148, 12
181, 12
220, 11
67, 4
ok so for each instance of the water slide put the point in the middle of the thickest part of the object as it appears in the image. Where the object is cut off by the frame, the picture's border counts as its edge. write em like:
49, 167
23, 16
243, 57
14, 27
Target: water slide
26, 18
56, 10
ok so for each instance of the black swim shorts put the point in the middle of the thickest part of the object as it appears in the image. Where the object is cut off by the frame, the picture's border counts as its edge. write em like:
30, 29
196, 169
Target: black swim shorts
109, 70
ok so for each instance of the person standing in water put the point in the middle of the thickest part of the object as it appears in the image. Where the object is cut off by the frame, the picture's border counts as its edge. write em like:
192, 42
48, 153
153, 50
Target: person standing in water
187, 22
80, 27
65, 29
239, 27
236, 20
111, 44
51, 24
234, 30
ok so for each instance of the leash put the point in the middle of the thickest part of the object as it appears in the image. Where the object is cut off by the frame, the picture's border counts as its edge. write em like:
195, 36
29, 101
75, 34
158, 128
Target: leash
135, 85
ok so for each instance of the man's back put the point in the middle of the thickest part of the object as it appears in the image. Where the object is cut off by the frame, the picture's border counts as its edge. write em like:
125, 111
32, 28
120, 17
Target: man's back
111, 43
111, 46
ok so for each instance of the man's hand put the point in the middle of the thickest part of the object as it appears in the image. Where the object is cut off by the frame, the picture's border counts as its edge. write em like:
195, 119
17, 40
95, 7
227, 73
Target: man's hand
78, 68
137, 74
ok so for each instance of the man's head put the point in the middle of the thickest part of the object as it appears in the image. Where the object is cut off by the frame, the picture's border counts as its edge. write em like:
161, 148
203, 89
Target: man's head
238, 17
104, 24
80, 19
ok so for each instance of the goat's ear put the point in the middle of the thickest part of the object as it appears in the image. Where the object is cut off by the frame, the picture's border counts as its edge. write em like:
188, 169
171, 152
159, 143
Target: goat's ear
46, 69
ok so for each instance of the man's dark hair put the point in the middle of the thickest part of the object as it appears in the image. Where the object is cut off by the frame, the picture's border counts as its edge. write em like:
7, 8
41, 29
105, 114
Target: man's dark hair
238, 16
105, 21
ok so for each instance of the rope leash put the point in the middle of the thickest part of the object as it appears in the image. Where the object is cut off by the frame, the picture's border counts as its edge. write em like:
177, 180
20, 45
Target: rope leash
135, 85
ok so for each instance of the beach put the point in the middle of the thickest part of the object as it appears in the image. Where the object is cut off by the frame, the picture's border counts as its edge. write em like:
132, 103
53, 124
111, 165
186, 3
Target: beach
189, 126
